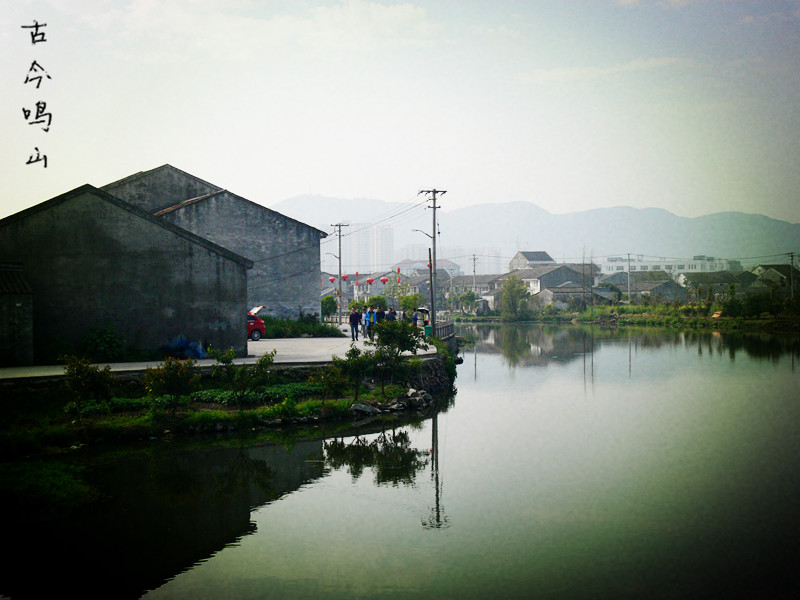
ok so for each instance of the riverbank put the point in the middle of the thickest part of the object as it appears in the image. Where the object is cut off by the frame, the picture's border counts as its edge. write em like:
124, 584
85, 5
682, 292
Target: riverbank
772, 325
36, 421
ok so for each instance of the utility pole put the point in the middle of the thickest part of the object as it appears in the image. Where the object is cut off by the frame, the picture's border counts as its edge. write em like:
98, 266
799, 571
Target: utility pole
433, 260
629, 279
474, 261
339, 299
791, 274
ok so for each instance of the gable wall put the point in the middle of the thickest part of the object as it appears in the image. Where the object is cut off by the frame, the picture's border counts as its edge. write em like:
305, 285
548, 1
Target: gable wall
91, 263
285, 276
159, 188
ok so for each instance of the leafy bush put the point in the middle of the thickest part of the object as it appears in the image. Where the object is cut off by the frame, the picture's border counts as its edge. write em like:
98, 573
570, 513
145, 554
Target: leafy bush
170, 384
305, 326
332, 378
240, 379
104, 344
86, 382
297, 390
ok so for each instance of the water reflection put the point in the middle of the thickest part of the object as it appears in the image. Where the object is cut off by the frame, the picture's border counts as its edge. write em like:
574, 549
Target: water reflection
677, 479
542, 345
389, 455
162, 511
437, 518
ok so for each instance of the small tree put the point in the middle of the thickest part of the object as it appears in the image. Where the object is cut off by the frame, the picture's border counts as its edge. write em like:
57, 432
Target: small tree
86, 382
330, 378
174, 379
468, 300
240, 379
513, 298
329, 306
411, 302
359, 305
376, 301
356, 365
393, 338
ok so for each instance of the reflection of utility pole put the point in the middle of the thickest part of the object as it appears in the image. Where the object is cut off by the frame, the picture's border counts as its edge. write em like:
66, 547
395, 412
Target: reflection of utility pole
437, 519
339, 299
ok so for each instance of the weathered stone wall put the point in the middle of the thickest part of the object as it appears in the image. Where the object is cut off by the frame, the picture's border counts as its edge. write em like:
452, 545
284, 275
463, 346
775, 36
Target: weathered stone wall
159, 188
285, 252
91, 262
16, 318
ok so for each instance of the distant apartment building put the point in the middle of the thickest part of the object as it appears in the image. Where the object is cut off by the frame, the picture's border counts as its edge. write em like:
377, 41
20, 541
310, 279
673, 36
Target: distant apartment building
365, 248
674, 266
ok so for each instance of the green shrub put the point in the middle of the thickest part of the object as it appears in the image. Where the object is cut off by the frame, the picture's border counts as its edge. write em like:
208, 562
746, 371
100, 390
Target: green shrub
170, 384
240, 379
305, 326
86, 383
104, 344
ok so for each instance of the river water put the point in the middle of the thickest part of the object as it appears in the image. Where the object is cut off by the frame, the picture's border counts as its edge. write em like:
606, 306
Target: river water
571, 463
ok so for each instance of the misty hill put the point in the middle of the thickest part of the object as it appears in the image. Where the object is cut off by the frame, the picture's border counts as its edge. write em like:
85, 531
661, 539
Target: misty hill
524, 226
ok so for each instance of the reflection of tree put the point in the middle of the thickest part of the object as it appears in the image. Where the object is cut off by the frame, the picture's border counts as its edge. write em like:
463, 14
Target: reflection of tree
540, 345
173, 482
390, 455
534, 344
244, 470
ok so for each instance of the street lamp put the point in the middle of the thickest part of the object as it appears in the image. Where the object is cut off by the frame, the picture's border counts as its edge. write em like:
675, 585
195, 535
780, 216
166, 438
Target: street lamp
433, 281
339, 299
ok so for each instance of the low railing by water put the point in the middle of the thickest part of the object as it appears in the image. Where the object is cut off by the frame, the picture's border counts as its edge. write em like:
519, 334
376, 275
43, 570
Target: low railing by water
444, 329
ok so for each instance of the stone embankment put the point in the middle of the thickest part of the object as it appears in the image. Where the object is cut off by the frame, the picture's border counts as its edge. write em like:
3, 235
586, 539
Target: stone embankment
413, 400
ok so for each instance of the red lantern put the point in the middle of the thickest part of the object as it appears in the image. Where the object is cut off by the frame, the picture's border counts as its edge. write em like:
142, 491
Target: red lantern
370, 280
331, 279
398, 270
384, 279
398, 280
345, 277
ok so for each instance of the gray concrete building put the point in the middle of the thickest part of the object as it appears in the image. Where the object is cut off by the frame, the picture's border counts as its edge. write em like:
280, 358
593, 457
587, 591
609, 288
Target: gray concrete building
16, 317
92, 260
285, 252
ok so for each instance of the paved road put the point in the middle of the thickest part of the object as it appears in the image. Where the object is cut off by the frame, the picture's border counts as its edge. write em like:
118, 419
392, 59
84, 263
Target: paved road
288, 351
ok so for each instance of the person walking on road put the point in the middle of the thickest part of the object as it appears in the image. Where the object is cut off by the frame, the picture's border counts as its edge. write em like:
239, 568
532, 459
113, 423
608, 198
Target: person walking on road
355, 321
370, 322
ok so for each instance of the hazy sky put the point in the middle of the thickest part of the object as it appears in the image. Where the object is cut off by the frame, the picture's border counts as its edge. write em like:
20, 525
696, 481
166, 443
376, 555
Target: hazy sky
691, 106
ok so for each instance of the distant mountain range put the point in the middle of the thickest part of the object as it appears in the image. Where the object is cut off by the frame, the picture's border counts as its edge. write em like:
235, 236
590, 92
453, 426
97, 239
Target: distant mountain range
512, 226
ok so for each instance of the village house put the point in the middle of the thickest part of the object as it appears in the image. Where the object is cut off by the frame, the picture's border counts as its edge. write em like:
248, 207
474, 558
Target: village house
93, 261
544, 277
477, 284
285, 252
16, 317
782, 279
717, 285
567, 296
524, 259
660, 291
